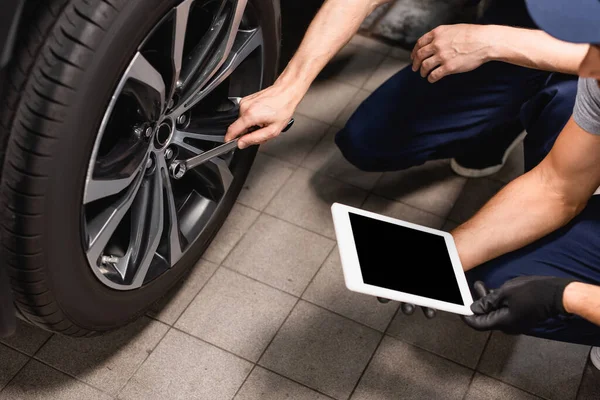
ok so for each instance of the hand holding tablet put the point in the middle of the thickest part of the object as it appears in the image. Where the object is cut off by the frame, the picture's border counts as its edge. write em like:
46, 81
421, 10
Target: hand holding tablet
399, 260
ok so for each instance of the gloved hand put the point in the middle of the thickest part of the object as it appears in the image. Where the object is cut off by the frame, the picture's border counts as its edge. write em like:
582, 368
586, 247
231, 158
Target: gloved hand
519, 305
409, 309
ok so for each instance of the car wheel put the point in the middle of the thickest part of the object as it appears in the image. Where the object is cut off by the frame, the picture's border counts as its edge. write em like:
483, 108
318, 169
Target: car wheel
104, 95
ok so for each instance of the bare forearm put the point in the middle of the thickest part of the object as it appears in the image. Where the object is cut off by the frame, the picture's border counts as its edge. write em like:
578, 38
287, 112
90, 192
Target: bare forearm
333, 26
522, 212
583, 300
534, 49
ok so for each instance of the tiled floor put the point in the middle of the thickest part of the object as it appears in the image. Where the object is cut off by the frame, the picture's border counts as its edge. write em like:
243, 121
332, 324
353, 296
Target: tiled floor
266, 316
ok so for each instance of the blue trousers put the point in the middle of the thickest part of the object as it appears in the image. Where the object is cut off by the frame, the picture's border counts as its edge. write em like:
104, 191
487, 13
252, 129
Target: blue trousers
409, 121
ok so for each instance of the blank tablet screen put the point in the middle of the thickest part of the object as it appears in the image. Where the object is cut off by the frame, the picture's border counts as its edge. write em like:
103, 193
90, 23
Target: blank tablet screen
403, 259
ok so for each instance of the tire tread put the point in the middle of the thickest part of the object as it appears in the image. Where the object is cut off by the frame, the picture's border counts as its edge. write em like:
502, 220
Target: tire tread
43, 74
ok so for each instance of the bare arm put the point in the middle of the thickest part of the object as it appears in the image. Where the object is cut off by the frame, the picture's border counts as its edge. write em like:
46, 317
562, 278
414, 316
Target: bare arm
536, 203
532, 206
583, 300
451, 49
334, 25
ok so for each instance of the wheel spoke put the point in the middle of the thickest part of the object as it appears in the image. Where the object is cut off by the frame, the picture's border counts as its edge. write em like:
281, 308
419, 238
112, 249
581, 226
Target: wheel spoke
103, 226
96, 188
202, 52
147, 227
149, 86
180, 136
174, 242
181, 17
224, 172
238, 45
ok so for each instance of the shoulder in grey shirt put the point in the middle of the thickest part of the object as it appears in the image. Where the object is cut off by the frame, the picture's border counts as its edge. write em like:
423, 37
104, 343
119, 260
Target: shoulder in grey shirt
587, 105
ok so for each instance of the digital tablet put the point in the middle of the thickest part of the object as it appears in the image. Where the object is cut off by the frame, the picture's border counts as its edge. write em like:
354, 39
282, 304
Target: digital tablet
399, 260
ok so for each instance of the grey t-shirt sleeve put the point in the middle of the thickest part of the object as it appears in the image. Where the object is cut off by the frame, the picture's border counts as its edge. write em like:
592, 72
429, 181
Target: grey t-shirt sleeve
587, 105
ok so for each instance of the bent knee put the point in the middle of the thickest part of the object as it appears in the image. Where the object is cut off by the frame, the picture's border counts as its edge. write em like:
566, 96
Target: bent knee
370, 158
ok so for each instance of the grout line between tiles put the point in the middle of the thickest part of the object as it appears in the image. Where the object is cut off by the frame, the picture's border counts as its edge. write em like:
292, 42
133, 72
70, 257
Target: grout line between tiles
513, 386
299, 226
148, 354
475, 370
317, 143
21, 351
15, 375
429, 351
279, 190
372, 355
196, 295
283, 323
374, 38
295, 381
259, 281
71, 376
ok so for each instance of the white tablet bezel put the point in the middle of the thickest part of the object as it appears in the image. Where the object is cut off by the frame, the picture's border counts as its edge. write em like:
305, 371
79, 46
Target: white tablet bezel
353, 275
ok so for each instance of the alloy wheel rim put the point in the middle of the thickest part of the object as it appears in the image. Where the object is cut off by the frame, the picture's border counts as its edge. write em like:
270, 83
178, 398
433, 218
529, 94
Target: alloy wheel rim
175, 100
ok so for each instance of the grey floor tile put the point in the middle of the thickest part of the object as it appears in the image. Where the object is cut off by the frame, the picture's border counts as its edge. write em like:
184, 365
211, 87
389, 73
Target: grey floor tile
183, 367
388, 68
371, 44
328, 290
28, 338
400, 53
237, 224
294, 145
265, 385
446, 335
402, 211
375, 15
474, 196
267, 176
39, 382
449, 226
361, 96
326, 99
486, 388
279, 254
170, 307
401, 371
237, 314
432, 187
327, 159
307, 197
11, 362
547, 368
353, 65
322, 350
514, 167
108, 361
590, 384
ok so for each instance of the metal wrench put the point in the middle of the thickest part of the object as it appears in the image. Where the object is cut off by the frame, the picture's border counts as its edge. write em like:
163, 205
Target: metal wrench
178, 168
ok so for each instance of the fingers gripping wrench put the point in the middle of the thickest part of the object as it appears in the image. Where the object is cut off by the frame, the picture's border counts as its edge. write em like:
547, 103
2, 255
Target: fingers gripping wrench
178, 168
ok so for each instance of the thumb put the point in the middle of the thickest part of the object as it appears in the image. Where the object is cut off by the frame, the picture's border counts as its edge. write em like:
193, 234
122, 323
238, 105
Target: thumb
494, 320
480, 289
488, 303
240, 126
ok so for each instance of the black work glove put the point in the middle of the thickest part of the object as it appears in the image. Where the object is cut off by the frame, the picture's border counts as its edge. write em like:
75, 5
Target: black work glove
519, 305
409, 309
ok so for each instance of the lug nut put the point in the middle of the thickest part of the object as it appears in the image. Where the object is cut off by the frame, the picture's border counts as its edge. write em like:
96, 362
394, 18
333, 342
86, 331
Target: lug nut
181, 119
149, 163
148, 132
169, 154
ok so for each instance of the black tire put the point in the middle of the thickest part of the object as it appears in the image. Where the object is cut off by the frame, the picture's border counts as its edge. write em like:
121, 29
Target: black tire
70, 56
